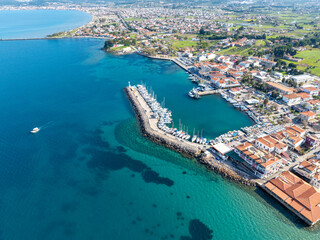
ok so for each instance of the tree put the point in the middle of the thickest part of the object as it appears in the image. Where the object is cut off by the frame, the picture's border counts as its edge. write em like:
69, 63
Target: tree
202, 31
108, 44
292, 65
265, 101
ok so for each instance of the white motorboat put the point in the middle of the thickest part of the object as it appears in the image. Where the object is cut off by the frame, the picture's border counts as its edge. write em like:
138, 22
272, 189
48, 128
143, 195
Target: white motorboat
35, 130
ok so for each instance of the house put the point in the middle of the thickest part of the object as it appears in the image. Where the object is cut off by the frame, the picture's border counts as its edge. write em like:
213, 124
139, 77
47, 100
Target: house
270, 144
315, 180
291, 99
262, 76
295, 131
308, 168
225, 82
295, 142
311, 90
264, 62
221, 68
312, 141
277, 75
313, 104
307, 116
211, 56
245, 64
235, 91
303, 78
202, 58
304, 96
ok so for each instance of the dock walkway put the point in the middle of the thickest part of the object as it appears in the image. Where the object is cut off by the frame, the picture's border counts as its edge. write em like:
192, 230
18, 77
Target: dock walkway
211, 92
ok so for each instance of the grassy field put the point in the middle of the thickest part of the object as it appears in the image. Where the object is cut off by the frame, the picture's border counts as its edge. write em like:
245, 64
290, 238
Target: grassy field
236, 50
182, 44
133, 35
243, 51
117, 48
188, 36
134, 19
311, 59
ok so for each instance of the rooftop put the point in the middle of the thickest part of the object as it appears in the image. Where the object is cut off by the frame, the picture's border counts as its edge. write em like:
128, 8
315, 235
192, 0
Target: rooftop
297, 194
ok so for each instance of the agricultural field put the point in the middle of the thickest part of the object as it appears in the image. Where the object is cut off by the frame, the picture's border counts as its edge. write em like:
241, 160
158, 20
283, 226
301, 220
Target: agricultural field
184, 43
134, 19
311, 61
243, 51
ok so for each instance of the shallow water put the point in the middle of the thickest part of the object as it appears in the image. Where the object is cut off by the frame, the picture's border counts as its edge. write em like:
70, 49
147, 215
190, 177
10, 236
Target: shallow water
89, 174
39, 23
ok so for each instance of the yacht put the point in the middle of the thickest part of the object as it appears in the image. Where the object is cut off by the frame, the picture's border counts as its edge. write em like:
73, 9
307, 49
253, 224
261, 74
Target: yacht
35, 130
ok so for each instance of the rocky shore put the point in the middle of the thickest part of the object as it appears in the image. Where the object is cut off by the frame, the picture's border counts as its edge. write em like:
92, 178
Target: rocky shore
186, 149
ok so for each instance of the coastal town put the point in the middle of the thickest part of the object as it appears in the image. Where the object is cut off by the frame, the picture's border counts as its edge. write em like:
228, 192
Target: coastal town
264, 65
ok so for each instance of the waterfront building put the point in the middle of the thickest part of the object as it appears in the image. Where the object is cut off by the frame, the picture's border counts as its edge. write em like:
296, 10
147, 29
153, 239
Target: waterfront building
308, 168
315, 180
297, 195
261, 162
270, 144
225, 82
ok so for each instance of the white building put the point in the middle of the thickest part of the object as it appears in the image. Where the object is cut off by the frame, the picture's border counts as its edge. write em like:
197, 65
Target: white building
303, 78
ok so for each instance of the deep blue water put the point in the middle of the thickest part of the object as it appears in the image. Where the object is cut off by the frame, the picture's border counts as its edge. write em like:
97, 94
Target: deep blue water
89, 174
39, 23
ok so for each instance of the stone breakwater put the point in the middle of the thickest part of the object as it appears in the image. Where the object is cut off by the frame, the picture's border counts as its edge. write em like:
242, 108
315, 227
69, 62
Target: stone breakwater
158, 136
227, 172
149, 129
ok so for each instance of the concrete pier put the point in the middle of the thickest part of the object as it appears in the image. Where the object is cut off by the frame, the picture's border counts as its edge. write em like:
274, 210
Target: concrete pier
204, 93
149, 128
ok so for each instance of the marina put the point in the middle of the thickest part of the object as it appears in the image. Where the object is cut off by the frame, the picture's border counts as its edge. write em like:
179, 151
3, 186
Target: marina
153, 127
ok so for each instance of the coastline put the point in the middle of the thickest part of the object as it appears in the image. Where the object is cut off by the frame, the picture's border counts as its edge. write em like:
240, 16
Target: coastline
51, 38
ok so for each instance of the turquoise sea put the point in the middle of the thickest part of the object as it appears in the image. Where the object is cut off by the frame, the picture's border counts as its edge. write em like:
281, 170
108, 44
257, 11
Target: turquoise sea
89, 174
39, 23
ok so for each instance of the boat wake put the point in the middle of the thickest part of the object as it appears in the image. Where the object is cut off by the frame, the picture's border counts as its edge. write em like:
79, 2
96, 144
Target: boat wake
47, 125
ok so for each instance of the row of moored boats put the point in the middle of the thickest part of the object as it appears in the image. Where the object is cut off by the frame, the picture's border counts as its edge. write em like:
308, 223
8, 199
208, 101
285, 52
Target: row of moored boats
159, 112
164, 116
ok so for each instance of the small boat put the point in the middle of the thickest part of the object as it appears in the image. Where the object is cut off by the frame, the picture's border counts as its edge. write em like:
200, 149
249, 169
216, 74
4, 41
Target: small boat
35, 130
